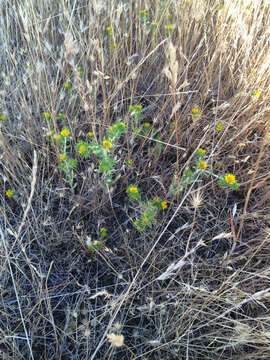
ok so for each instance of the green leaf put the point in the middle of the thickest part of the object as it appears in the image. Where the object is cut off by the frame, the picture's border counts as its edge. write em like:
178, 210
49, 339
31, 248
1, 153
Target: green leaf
72, 162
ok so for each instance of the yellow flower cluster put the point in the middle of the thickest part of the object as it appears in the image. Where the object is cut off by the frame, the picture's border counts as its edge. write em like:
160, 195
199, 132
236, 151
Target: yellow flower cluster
201, 151
144, 13
109, 31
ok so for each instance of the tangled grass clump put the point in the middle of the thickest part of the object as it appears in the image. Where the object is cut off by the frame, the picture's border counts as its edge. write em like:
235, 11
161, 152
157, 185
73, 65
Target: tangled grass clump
134, 208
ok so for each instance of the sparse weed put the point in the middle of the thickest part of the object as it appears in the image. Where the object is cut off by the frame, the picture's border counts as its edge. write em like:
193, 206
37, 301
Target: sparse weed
10, 193
67, 164
149, 208
135, 112
104, 151
192, 175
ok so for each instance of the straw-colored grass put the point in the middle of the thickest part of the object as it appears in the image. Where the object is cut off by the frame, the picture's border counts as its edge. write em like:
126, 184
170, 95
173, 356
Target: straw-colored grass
195, 285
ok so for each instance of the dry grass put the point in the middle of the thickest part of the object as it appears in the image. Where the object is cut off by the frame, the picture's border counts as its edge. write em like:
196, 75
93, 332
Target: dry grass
196, 285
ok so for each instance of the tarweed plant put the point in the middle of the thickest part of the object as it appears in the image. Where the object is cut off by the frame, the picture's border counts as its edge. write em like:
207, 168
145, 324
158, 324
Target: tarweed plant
66, 163
201, 169
104, 151
149, 208
135, 112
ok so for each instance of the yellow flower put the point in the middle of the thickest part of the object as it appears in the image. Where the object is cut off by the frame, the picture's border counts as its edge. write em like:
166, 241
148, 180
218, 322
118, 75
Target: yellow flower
67, 85
138, 107
133, 189
107, 144
230, 179
65, 132
62, 116
202, 165
220, 127
47, 115
62, 157
80, 70
201, 151
144, 13
111, 128
3, 117
109, 31
164, 205
82, 149
90, 133
195, 111
146, 124
9, 193
169, 27
129, 162
256, 93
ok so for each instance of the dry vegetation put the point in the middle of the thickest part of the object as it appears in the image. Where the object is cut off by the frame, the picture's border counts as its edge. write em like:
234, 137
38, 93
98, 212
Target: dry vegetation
197, 284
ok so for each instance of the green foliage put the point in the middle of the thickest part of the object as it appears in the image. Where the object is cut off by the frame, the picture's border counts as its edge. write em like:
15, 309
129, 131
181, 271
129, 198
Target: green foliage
191, 175
135, 112
67, 164
80, 70
103, 151
133, 192
95, 245
149, 208
103, 232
